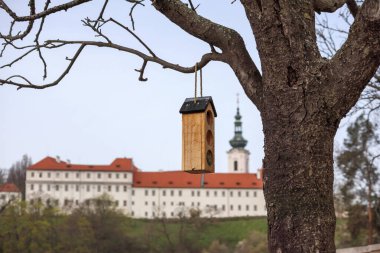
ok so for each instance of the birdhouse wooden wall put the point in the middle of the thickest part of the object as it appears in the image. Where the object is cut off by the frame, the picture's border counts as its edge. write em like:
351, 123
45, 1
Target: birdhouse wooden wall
198, 135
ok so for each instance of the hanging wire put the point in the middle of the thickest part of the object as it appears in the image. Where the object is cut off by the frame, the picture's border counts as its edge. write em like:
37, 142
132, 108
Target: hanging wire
195, 85
196, 77
200, 70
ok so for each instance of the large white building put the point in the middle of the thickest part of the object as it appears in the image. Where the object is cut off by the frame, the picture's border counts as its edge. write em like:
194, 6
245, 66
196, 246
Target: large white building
152, 194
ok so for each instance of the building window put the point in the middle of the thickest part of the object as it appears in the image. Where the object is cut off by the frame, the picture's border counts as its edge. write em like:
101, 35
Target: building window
76, 202
117, 203
117, 188
254, 194
32, 187
231, 207
48, 187
172, 214
207, 193
146, 193
179, 193
88, 175
223, 207
164, 203
239, 194
153, 203
40, 187
57, 174
239, 207
247, 207
163, 193
133, 203
146, 203
32, 174
125, 175
215, 193
49, 174
99, 188
146, 214
133, 213
247, 194
153, 192
223, 194
109, 175
125, 203
172, 203
235, 165
77, 188
125, 188
231, 194
88, 188
171, 193
109, 188
254, 208
99, 175
198, 193
66, 202
77, 175
133, 192
192, 193
117, 175
66, 175
66, 187
40, 174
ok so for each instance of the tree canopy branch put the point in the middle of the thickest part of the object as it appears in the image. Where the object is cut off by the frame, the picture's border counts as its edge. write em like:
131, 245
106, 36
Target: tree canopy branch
44, 13
228, 40
356, 62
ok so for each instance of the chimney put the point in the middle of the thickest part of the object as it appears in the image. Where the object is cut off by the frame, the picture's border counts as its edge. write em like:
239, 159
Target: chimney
57, 159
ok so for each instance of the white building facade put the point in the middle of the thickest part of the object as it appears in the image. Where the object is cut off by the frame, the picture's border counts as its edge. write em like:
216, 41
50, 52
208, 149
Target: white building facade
9, 192
152, 194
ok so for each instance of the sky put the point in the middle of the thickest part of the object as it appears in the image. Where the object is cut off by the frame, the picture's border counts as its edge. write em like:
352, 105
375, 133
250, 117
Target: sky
101, 111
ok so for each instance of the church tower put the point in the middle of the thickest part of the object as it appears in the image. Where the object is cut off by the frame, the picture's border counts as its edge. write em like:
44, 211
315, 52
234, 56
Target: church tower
238, 156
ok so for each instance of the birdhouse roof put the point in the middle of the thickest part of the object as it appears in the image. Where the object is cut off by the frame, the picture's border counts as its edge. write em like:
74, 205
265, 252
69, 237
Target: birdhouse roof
198, 104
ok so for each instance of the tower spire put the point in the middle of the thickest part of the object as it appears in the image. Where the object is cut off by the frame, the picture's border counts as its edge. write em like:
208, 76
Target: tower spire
238, 140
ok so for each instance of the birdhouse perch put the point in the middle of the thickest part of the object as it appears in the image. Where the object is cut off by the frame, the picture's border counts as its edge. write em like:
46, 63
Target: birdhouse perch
198, 144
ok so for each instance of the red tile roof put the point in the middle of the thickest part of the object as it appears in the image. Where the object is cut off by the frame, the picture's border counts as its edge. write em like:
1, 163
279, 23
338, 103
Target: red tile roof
9, 188
168, 179
118, 165
180, 179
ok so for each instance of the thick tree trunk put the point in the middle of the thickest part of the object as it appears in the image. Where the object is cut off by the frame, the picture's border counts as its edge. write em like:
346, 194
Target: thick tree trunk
298, 182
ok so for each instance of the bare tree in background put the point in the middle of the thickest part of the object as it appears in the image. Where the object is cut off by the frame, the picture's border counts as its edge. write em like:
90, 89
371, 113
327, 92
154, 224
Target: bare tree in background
17, 173
301, 95
2, 176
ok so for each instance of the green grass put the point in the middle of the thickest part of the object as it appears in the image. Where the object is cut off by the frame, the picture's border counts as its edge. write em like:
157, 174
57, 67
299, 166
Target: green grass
227, 231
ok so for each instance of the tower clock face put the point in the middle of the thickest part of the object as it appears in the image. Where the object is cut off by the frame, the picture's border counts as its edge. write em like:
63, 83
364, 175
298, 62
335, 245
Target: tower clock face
209, 158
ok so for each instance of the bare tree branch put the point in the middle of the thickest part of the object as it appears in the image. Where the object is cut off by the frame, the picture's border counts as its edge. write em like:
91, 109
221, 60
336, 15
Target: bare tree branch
353, 7
44, 13
357, 61
327, 5
29, 84
22, 35
228, 40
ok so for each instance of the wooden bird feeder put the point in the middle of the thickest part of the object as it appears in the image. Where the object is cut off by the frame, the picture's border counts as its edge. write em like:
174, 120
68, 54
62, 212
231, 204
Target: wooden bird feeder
198, 131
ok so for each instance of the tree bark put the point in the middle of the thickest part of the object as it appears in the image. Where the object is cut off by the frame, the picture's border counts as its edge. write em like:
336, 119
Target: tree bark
298, 184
